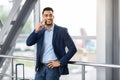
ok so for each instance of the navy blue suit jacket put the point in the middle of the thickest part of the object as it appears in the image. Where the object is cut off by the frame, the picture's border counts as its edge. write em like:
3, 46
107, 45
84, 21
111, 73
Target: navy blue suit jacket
61, 40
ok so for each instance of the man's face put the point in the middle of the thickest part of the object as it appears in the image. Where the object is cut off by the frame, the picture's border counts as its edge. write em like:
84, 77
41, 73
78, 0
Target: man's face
48, 17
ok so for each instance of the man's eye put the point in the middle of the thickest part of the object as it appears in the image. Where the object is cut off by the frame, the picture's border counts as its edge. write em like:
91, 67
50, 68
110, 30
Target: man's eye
48, 15
45, 15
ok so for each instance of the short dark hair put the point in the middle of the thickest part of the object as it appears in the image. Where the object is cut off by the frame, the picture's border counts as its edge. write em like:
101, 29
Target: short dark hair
47, 9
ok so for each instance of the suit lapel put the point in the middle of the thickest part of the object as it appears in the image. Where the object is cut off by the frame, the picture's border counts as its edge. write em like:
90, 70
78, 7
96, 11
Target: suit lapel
42, 45
43, 36
54, 35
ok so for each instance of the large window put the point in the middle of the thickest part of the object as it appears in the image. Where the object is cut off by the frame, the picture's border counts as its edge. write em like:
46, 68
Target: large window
79, 16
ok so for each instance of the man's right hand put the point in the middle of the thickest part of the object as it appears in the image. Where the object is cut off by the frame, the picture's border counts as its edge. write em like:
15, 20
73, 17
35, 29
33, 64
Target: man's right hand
40, 26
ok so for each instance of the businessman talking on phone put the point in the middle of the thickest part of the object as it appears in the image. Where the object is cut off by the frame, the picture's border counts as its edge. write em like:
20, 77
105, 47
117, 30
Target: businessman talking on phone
52, 41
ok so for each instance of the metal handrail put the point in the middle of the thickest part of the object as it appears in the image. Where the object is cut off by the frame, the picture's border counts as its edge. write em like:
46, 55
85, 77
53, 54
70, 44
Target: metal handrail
70, 62
94, 64
18, 57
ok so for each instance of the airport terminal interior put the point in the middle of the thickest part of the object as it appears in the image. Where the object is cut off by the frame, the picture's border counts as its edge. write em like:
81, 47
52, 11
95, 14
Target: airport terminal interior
92, 24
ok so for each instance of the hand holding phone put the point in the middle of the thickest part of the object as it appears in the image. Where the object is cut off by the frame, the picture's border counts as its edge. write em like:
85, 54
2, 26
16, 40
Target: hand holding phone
40, 26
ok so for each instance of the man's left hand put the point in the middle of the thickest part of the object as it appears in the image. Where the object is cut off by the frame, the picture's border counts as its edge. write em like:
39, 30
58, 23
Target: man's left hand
53, 63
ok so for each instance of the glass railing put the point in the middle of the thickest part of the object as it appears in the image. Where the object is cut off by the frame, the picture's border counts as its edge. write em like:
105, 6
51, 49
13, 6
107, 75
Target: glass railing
83, 64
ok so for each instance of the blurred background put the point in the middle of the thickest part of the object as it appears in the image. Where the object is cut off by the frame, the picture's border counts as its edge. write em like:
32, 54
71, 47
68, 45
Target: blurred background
92, 24
78, 16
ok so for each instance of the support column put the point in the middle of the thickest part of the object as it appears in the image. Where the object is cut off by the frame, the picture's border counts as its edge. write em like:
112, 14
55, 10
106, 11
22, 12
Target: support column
116, 40
37, 14
104, 37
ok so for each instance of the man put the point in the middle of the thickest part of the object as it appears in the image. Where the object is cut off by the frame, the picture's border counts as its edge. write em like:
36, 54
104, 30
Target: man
52, 41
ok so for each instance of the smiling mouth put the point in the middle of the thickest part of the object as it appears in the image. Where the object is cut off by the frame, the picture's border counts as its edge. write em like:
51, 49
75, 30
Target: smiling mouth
48, 22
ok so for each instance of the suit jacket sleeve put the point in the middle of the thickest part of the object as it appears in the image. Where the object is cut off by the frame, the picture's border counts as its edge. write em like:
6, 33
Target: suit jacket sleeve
71, 48
32, 39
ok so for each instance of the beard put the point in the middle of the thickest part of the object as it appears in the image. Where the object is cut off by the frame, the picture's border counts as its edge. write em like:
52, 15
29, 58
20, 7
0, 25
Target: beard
48, 23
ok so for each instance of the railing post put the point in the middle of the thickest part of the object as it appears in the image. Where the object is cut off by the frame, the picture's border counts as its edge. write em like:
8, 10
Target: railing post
12, 68
83, 72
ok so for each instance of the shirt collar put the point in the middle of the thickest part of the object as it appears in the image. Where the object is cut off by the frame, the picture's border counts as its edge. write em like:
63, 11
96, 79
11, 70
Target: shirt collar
52, 28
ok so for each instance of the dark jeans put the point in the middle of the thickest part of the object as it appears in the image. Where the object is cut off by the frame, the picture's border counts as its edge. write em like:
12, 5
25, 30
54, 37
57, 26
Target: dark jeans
46, 73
